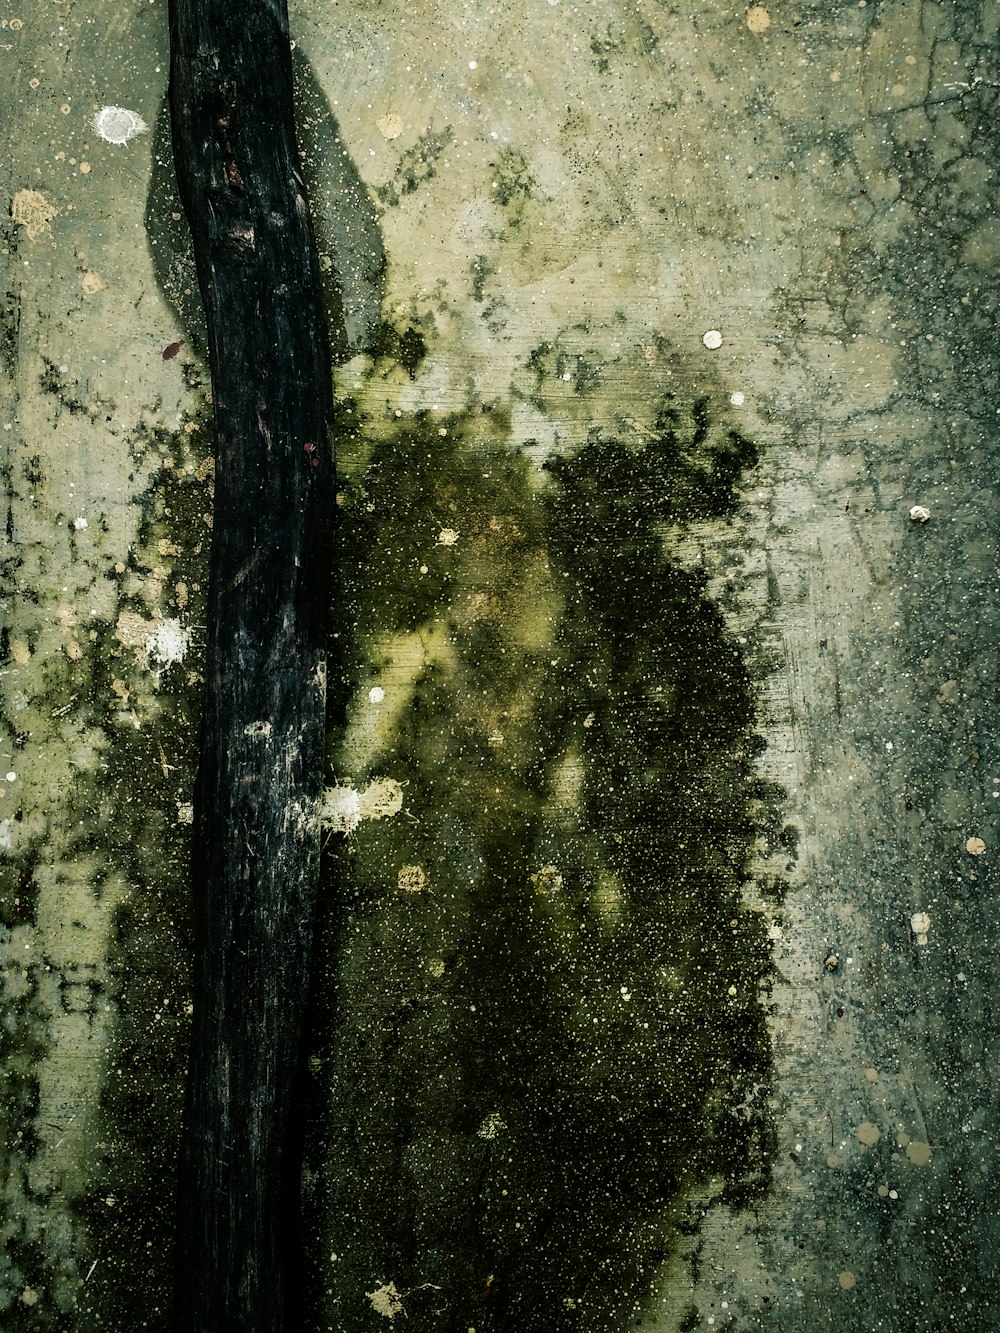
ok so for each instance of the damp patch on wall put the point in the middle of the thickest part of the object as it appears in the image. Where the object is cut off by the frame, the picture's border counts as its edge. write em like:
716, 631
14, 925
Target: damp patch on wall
548, 984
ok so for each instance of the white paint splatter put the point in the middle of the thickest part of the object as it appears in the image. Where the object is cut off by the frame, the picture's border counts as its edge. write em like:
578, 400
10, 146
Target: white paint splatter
116, 124
385, 1301
167, 644
342, 808
376, 694
920, 924
712, 340
447, 537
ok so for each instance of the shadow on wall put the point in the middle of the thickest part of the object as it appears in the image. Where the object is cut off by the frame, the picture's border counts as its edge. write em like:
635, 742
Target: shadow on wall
545, 990
351, 255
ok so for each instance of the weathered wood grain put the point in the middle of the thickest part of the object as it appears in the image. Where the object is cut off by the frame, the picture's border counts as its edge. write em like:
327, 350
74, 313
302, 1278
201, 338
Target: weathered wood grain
261, 765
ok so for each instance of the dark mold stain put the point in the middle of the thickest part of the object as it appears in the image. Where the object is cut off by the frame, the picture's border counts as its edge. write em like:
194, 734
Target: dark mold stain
416, 166
551, 1033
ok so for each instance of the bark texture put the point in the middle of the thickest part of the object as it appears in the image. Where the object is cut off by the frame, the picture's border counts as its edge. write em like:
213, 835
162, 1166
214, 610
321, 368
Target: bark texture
261, 766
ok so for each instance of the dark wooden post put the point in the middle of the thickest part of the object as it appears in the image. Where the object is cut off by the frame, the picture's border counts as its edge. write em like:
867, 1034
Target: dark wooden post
262, 746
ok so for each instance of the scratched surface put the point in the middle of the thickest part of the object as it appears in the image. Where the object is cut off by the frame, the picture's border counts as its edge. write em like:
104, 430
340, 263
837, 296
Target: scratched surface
568, 199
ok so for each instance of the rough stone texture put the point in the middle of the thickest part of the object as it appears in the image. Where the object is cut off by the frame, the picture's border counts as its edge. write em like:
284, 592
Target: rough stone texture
563, 223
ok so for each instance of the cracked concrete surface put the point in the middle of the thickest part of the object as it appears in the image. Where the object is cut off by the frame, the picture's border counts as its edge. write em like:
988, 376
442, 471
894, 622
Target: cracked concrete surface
569, 198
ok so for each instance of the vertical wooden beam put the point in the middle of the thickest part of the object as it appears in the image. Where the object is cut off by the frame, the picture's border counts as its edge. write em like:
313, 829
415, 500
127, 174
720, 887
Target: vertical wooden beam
256, 851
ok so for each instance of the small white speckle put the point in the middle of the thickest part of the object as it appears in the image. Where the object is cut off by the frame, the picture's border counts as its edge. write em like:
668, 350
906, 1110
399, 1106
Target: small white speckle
712, 339
737, 399
376, 694
116, 124
473, 64
920, 514
11, 777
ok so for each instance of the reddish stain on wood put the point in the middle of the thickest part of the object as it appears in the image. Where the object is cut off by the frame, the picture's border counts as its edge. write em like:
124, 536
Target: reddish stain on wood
170, 352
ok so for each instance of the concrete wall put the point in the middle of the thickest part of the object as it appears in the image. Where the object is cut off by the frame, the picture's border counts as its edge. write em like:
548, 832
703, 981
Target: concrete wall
622, 1018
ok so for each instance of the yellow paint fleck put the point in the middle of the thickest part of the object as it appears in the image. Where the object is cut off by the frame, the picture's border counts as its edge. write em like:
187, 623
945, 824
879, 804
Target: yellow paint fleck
390, 125
413, 879
91, 283
547, 880
918, 1153
868, 1134
758, 19
847, 1280
975, 846
33, 211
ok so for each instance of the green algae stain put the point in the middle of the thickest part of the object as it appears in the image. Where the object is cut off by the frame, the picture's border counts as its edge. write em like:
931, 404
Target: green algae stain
152, 708
547, 987
94, 909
